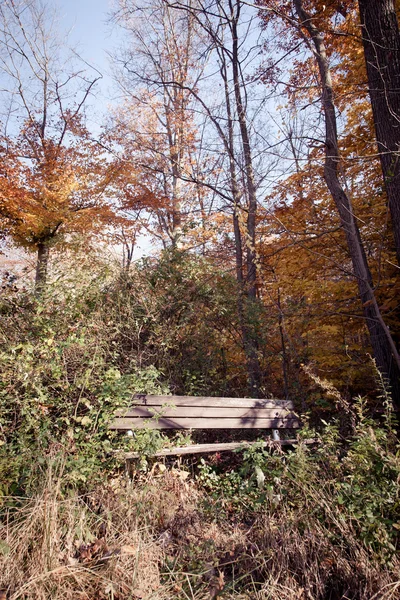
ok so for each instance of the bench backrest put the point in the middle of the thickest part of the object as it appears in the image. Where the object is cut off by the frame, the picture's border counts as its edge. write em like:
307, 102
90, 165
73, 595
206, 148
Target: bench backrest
203, 412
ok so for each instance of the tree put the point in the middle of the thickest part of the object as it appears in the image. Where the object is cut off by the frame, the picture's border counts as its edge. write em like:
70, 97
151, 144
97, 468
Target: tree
176, 144
381, 40
54, 176
156, 124
225, 29
306, 279
307, 25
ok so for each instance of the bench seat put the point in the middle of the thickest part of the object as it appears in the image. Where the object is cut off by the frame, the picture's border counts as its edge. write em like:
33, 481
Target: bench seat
204, 412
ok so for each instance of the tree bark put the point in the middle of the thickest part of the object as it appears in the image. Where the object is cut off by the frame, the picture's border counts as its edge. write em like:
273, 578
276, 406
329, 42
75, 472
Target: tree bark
43, 253
285, 361
248, 161
384, 349
381, 41
249, 328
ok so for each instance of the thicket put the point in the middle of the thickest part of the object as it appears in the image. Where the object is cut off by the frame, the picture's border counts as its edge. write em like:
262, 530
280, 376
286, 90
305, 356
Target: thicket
318, 521
72, 357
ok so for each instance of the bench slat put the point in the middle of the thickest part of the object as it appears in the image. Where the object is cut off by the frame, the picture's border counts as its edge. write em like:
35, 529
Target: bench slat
223, 447
203, 401
205, 411
206, 423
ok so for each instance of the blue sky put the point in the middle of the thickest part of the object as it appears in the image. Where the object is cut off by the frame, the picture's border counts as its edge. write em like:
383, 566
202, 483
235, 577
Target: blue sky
92, 36
87, 18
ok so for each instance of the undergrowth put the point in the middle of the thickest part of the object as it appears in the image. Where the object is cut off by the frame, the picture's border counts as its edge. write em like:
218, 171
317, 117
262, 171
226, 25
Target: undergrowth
320, 521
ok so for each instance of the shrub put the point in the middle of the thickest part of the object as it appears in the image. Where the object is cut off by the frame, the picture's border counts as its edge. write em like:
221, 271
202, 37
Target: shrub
60, 384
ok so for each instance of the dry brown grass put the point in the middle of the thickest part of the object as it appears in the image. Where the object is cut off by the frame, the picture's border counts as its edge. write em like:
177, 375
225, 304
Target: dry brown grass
150, 539
79, 548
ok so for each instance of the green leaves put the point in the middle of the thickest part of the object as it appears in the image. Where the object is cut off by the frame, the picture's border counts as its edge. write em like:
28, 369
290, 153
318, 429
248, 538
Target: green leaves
60, 388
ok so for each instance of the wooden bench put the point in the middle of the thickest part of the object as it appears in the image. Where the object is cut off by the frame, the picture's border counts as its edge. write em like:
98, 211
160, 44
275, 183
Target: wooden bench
203, 412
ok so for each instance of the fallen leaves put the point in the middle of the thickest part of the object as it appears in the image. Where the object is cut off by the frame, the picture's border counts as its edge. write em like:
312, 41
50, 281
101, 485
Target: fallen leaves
98, 552
88, 552
216, 585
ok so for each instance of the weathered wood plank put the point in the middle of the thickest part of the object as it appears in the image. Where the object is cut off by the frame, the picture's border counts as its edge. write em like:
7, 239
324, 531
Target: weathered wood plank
223, 447
124, 423
205, 411
202, 401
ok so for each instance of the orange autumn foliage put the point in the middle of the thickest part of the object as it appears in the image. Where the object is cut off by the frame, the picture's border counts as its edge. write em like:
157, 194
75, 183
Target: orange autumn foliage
304, 260
48, 189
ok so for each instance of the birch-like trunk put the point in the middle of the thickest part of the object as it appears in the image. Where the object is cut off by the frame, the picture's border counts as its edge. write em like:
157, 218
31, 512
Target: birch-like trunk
42, 261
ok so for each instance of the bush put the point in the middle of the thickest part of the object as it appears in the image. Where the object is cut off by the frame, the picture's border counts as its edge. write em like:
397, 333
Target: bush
61, 382
351, 487
95, 337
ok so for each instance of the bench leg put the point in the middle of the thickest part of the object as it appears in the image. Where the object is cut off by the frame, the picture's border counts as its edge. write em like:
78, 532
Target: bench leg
275, 435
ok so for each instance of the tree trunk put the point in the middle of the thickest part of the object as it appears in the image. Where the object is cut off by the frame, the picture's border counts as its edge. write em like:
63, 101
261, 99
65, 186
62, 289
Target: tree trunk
43, 252
244, 309
249, 326
285, 361
248, 161
381, 40
384, 350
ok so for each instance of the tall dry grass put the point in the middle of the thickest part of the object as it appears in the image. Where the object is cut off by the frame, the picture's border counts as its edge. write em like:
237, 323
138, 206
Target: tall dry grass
152, 539
78, 547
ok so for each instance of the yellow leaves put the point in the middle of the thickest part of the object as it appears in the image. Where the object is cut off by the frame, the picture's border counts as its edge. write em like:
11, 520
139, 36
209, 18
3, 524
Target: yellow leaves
330, 330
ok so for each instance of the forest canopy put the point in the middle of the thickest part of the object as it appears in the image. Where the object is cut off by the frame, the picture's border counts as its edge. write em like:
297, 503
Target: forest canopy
259, 139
